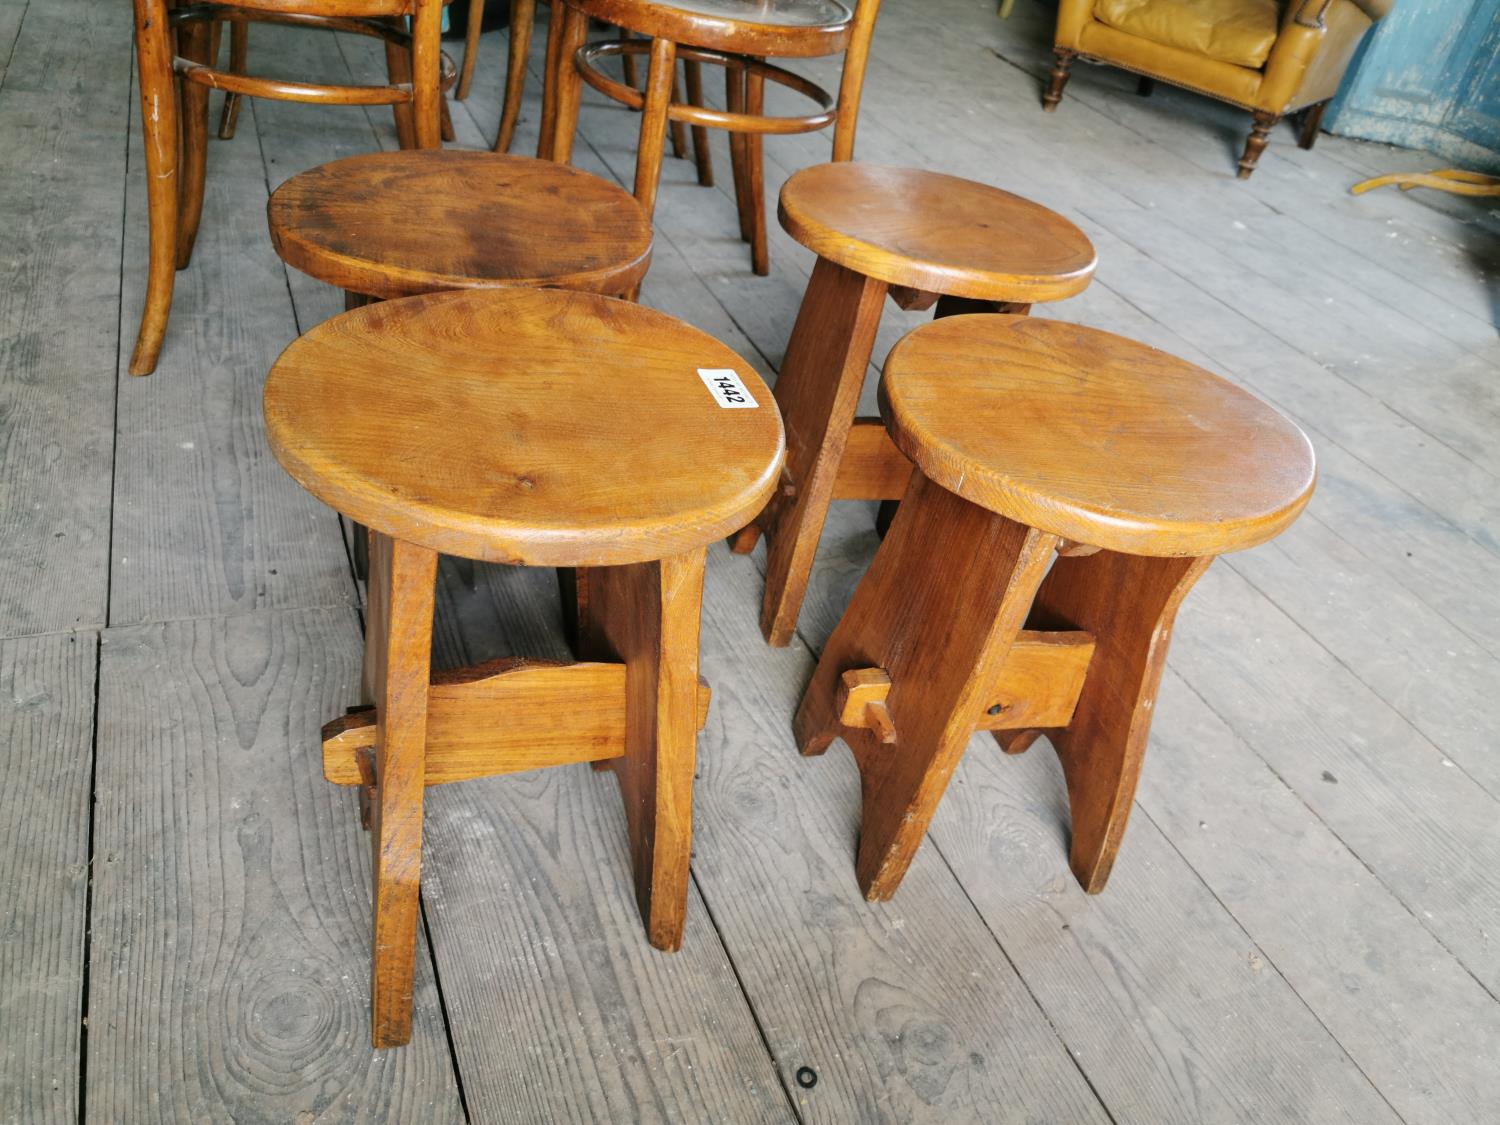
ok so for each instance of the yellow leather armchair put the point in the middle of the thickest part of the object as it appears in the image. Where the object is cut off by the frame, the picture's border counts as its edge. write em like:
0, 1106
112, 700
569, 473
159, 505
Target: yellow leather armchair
1268, 56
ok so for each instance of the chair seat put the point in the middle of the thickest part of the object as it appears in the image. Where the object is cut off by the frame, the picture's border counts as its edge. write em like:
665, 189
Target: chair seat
527, 426
395, 224
1240, 32
937, 233
1093, 437
782, 28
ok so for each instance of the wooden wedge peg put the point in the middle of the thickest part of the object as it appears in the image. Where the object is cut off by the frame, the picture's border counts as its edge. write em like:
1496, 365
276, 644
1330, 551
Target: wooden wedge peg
861, 702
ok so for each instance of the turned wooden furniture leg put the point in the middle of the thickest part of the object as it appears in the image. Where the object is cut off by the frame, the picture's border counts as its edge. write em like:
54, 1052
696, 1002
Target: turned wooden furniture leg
569, 83
1260, 134
194, 38
1057, 79
1128, 602
659, 77
647, 615
429, 104
676, 129
1312, 121
817, 393
239, 49
159, 113
701, 152
734, 100
522, 17
755, 145
852, 82
941, 633
398, 650
471, 48
398, 71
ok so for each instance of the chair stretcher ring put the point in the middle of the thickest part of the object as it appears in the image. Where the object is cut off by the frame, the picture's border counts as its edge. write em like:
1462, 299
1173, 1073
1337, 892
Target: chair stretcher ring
588, 56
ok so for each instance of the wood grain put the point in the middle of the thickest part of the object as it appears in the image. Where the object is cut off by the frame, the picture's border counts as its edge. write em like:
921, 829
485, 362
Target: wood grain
46, 727
1093, 437
63, 108
400, 223
231, 901
587, 476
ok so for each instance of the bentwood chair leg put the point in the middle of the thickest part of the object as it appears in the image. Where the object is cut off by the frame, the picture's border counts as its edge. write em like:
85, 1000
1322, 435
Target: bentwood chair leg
734, 99
628, 69
522, 17
701, 152
678, 129
159, 112
194, 38
569, 82
852, 82
429, 105
471, 48
550, 70
398, 669
647, 616
239, 49
755, 144
398, 72
659, 81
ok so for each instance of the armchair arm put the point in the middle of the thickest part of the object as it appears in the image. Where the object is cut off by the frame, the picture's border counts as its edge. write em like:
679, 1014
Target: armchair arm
1310, 54
1072, 15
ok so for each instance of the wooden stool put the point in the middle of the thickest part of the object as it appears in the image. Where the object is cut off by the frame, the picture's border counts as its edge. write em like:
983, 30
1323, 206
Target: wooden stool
396, 224
1037, 443
735, 34
925, 239
533, 428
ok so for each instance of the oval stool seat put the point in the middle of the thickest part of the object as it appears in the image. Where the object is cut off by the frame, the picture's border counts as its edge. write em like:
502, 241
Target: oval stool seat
928, 231
1093, 437
395, 224
524, 426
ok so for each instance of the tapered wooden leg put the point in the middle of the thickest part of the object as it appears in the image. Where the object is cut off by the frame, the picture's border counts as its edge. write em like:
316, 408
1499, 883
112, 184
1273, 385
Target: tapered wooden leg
676, 130
522, 17
471, 48
940, 629
1057, 79
817, 392
159, 114
569, 82
646, 615
239, 50
734, 100
398, 72
429, 105
194, 45
659, 77
1260, 134
398, 650
1129, 603
1312, 121
701, 152
548, 124
628, 70
755, 143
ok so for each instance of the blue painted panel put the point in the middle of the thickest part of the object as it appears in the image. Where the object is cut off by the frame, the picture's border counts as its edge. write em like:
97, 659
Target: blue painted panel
1429, 77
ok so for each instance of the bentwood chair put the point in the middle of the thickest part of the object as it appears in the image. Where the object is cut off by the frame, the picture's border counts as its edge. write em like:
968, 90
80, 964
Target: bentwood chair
177, 69
738, 35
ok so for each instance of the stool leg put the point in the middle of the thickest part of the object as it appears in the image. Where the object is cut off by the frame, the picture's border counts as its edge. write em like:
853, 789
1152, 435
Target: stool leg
755, 145
701, 152
1128, 602
522, 16
546, 127
159, 113
569, 83
676, 129
817, 392
471, 48
398, 668
659, 80
239, 49
939, 622
646, 615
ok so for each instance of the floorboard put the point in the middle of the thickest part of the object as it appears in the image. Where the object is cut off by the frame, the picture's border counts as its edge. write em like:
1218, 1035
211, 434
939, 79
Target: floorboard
230, 957
46, 732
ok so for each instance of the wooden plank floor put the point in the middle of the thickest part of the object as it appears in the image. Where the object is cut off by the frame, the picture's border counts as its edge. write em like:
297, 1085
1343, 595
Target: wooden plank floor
1304, 925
